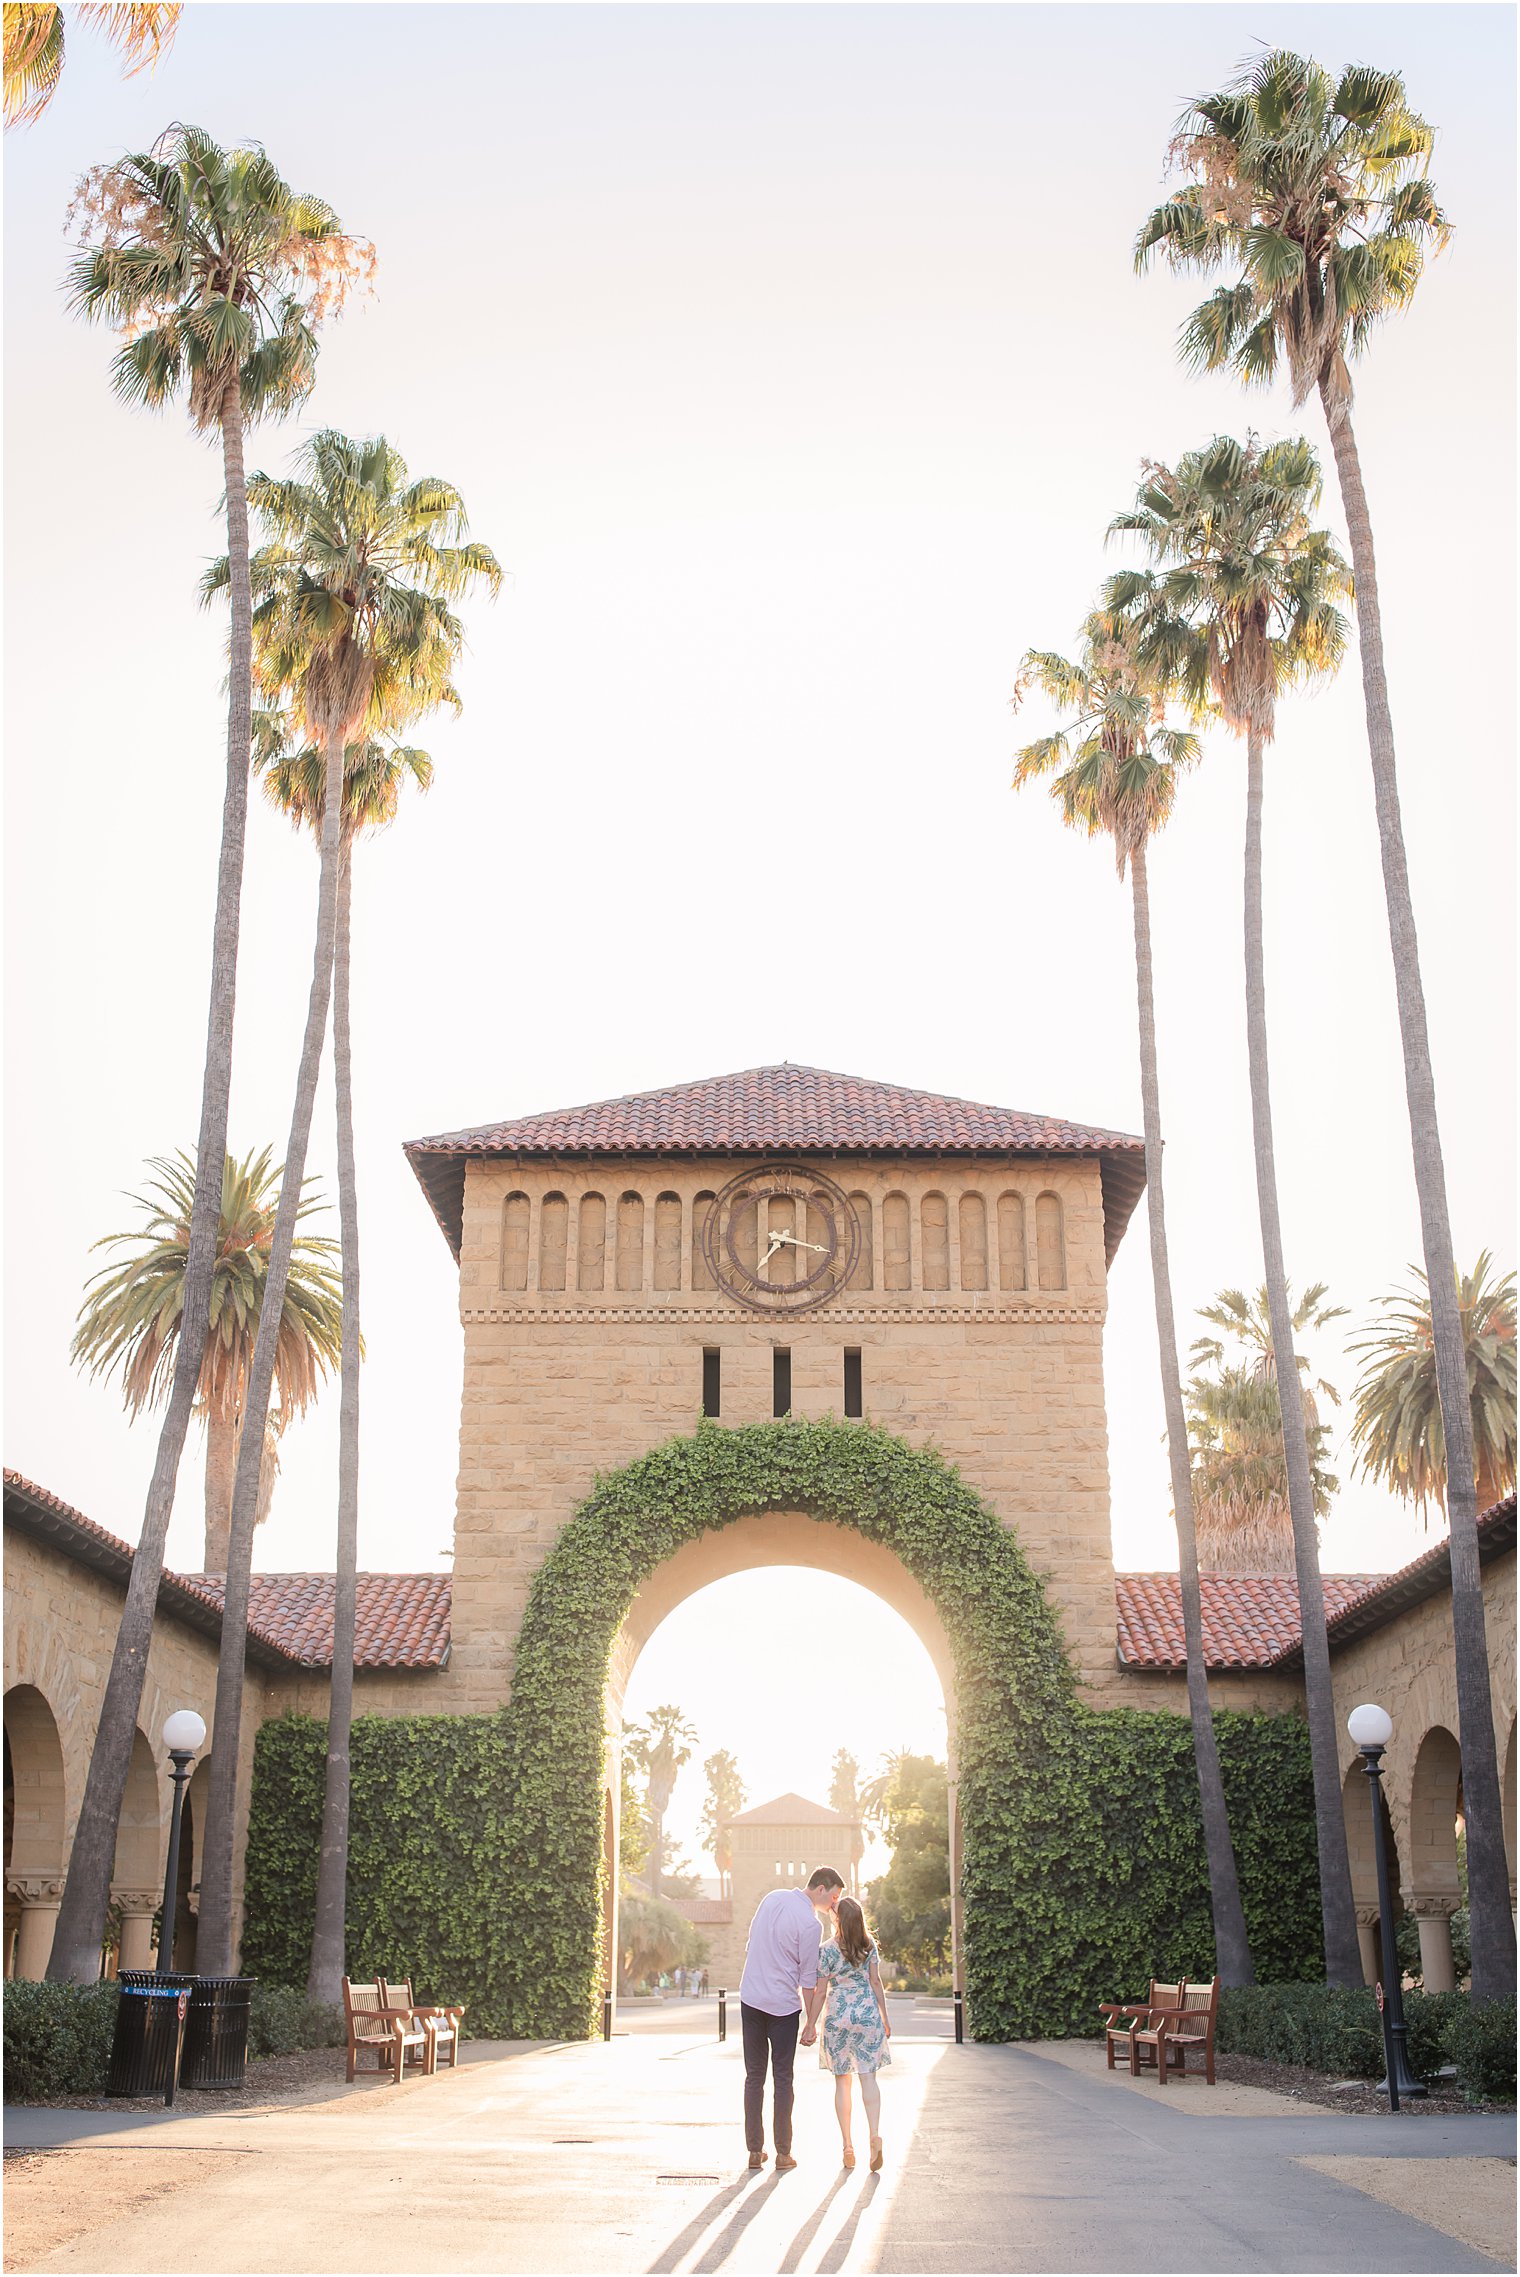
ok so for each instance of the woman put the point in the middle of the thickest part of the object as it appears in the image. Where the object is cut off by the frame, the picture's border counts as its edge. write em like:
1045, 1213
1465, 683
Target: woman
856, 2027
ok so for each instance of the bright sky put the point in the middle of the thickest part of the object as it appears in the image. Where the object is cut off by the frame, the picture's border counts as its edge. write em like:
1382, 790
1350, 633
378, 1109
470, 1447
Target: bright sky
791, 360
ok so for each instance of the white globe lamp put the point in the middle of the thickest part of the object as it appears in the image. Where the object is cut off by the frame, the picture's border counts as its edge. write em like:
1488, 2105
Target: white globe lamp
184, 1732
1370, 1725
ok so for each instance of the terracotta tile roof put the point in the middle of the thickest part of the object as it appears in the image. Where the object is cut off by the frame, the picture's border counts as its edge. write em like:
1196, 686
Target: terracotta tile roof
781, 1109
403, 1618
1248, 1619
705, 1912
791, 1810
1251, 1620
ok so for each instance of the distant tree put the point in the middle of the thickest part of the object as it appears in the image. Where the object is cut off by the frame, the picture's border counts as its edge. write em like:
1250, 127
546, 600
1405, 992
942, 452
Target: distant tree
844, 1796
654, 1937
658, 1748
1397, 1426
909, 1906
130, 1319
679, 1877
725, 1797
34, 46
1240, 1472
633, 1824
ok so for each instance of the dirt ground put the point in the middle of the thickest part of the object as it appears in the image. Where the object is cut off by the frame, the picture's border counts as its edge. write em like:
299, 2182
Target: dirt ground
1469, 2198
268, 2076
54, 2197
1445, 2099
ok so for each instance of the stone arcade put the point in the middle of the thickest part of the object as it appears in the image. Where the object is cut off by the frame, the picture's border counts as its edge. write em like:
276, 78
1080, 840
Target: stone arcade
782, 1240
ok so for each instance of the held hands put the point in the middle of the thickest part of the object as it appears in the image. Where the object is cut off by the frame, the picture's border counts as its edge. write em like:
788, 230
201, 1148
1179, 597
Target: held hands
809, 2036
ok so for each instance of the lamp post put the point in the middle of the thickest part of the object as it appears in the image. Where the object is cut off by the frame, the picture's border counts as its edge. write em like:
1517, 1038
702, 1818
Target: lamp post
1371, 1728
183, 1734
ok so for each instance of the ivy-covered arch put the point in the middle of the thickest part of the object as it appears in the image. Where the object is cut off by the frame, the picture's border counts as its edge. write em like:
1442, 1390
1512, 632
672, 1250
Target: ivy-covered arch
477, 1842
1047, 1890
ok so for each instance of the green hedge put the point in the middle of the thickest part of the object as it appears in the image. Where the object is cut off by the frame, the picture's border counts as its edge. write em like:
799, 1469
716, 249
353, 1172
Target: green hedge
1337, 2029
58, 2036
476, 1848
57, 2039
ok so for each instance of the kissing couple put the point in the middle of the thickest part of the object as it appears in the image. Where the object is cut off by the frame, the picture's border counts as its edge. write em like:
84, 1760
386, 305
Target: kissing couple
809, 1950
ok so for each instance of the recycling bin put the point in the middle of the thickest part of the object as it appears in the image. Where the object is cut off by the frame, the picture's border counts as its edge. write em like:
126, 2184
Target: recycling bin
216, 2030
149, 2037
216, 2036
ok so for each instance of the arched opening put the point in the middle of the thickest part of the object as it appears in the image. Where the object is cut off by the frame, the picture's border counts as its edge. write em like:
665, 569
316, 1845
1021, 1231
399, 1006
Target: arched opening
1360, 1844
35, 1822
1509, 1809
785, 1642
1433, 1886
137, 1876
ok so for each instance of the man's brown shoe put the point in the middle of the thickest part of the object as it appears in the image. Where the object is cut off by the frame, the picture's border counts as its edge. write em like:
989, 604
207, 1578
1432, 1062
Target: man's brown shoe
757, 2159
784, 2163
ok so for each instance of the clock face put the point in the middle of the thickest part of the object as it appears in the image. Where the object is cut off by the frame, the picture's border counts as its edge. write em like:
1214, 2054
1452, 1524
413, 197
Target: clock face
781, 1239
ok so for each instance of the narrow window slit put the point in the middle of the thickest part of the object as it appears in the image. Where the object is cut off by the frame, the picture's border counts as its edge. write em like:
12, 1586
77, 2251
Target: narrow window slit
712, 1380
854, 1401
781, 1381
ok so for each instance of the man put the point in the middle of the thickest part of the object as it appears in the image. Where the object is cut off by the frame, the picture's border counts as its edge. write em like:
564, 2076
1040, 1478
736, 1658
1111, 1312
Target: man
780, 1971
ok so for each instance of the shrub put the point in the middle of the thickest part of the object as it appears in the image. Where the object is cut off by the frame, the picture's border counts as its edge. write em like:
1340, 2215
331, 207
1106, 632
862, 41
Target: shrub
282, 2019
1481, 2044
57, 2039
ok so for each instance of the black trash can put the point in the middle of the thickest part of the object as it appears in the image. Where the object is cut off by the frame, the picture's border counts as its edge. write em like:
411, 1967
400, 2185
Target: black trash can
216, 2032
216, 2037
150, 2033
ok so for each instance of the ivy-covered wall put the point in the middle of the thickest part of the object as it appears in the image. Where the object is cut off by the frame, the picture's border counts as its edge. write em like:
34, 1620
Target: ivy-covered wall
476, 1853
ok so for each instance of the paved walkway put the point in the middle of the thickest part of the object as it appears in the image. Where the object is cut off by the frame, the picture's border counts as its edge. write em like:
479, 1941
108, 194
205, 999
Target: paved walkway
628, 2158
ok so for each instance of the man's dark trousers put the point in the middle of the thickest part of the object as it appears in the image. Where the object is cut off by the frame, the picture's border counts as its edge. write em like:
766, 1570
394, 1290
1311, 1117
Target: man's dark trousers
773, 2037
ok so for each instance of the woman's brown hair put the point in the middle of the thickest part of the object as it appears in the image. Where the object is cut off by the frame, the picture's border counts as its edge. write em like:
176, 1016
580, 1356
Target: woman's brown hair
854, 1937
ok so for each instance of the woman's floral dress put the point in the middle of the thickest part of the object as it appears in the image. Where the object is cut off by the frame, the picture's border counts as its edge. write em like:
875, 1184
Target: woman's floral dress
853, 2037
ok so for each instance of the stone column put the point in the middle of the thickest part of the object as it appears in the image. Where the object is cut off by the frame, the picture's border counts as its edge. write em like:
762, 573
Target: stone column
39, 1896
1366, 1924
138, 1907
1433, 1920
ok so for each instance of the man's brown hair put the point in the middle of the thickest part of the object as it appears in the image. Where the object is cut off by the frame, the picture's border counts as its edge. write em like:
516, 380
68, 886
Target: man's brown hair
825, 1879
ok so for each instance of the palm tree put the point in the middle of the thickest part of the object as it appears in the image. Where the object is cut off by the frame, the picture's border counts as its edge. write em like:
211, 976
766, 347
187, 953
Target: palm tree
355, 636
217, 274
374, 772
1397, 1425
1313, 189
1243, 609
1116, 765
130, 1318
658, 1748
725, 1797
1240, 1476
844, 1796
34, 43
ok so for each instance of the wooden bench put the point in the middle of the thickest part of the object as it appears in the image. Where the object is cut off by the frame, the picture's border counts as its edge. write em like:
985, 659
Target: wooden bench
1171, 2034
389, 2029
1125, 2017
442, 2025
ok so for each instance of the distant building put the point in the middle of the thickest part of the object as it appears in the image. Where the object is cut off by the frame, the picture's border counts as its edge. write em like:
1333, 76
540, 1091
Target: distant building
775, 1846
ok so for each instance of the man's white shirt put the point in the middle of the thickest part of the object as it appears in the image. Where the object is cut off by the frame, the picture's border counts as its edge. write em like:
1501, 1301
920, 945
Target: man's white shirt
782, 1953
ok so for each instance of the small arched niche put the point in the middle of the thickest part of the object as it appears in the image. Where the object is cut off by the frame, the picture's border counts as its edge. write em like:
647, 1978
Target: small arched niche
553, 1241
864, 1275
973, 1232
896, 1243
516, 1215
630, 1242
1050, 1240
1013, 1261
667, 1241
934, 1224
591, 1244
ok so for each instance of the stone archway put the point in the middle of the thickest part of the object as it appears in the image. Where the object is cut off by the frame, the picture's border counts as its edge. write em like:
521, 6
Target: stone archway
791, 1538
916, 1532
38, 1824
1432, 1888
137, 1876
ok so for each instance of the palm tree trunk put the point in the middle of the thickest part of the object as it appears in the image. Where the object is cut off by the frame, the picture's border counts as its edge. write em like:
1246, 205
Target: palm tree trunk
87, 1891
656, 1848
1343, 1963
221, 1465
1231, 1944
1493, 1927
214, 1935
324, 1980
